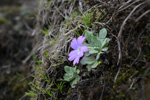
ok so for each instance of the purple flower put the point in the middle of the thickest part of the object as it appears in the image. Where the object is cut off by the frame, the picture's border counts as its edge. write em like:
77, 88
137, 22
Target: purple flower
78, 51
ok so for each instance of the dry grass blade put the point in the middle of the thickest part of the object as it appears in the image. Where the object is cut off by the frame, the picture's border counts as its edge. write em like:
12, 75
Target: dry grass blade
145, 13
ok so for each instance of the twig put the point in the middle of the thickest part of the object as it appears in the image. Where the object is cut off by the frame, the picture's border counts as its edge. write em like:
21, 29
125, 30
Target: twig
124, 22
102, 92
139, 49
117, 74
140, 9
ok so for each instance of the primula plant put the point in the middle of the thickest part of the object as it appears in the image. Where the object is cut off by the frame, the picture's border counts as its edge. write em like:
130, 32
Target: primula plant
71, 75
97, 44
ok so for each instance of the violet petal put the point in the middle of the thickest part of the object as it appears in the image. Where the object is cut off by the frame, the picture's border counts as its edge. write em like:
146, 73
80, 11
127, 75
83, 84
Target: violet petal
76, 60
84, 48
73, 52
72, 57
80, 40
80, 54
74, 43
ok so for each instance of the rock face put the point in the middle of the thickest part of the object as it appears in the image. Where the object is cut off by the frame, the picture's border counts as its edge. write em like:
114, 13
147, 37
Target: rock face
123, 73
124, 69
15, 46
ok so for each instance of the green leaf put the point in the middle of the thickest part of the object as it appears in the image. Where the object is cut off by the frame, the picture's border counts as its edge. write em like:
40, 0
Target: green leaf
31, 94
85, 44
86, 54
71, 75
73, 69
95, 41
78, 71
95, 64
102, 33
98, 55
88, 45
93, 51
105, 42
99, 62
87, 60
75, 81
67, 68
105, 49
88, 67
99, 43
88, 35
68, 77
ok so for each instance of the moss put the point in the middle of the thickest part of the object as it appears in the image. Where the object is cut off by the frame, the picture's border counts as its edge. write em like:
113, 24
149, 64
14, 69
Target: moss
20, 87
13, 10
3, 20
